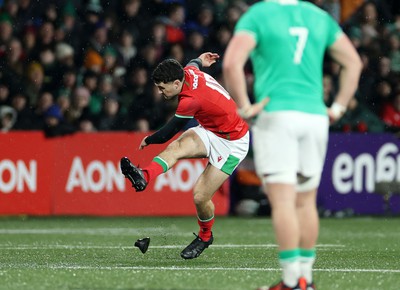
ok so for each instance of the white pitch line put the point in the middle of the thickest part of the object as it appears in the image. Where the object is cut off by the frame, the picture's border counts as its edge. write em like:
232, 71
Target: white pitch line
85, 231
72, 247
174, 268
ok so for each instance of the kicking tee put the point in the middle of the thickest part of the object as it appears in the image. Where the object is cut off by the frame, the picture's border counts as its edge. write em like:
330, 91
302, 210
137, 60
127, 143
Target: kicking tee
291, 39
204, 99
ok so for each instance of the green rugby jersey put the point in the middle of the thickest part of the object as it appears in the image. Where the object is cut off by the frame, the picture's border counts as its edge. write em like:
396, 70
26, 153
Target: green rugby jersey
291, 38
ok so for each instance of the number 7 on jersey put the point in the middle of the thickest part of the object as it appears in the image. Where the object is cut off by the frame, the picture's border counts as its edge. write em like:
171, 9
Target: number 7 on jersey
302, 34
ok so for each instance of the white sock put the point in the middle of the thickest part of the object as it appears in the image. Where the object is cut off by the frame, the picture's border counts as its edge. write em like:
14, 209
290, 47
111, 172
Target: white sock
306, 265
290, 272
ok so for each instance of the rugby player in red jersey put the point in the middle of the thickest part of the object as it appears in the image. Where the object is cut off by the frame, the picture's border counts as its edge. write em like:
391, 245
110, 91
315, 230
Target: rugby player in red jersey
222, 136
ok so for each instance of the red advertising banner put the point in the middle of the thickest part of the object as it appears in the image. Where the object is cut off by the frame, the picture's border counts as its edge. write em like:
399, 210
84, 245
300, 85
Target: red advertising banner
80, 175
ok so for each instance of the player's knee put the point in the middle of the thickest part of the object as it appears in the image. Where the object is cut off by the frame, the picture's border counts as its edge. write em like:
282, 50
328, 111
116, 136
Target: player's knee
200, 199
307, 183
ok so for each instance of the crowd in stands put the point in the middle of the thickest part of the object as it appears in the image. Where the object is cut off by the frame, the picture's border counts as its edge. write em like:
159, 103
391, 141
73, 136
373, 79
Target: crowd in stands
69, 65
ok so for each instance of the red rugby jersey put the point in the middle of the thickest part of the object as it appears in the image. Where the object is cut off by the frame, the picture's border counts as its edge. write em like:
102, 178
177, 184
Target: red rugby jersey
204, 99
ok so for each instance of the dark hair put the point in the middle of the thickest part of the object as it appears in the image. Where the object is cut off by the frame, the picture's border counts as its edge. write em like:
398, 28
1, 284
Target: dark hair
167, 71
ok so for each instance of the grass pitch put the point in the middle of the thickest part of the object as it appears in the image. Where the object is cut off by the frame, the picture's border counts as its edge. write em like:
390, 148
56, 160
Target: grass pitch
98, 253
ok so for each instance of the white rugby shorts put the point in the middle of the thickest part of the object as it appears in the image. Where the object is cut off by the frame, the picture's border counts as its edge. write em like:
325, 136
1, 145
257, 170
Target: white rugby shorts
223, 154
288, 143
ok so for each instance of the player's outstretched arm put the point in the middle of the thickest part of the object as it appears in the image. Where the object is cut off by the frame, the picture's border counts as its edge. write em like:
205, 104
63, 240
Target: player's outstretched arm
168, 131
204, 60
208, 58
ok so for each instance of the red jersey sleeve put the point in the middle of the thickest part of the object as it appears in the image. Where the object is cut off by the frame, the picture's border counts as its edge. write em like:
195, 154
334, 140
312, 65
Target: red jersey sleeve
187, 107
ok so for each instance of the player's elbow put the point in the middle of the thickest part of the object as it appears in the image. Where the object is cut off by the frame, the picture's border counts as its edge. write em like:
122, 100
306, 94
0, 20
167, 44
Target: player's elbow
227, 65
358, 64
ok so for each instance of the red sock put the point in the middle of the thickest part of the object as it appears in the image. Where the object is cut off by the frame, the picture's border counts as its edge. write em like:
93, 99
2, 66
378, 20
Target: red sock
153, 170
205, 229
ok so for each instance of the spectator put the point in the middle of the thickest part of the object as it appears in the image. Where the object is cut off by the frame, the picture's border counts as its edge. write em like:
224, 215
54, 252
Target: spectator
55, 124
126, 48
70, 26
391, 113
34, 81
79, 106
4, 94
45, 39
394, 53
159, 36
93, 61
204, 21
174, 23
64, 54
136, 86
6, 31
45, 101
8, 116
130, 18
98, 40
12, 63
20, 103
29, 40
68, 81
110, 60
110, 117
195, 45
105, 89
176, 52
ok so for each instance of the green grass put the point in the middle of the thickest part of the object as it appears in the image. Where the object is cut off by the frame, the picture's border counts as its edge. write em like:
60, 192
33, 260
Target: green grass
98, 253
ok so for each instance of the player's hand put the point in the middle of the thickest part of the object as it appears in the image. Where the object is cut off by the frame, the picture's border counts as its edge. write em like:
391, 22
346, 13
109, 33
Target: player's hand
143, 143
253, 110
335, 112
208, 58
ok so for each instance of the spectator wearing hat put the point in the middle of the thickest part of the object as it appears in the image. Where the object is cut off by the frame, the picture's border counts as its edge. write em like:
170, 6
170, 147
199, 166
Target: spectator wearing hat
93, 61
65, 54
110, 60
105, 88
98, 39
45, 101
6, 31
64, 58
55, 124
71, 26
8, 117
28, 38
92, 15
34, 81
